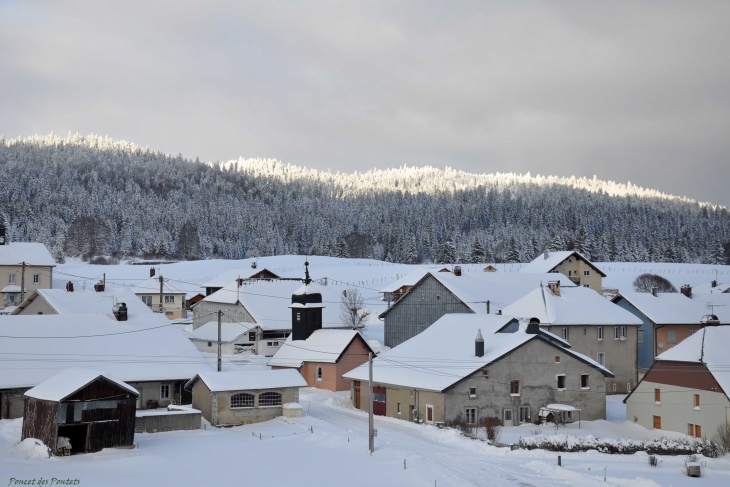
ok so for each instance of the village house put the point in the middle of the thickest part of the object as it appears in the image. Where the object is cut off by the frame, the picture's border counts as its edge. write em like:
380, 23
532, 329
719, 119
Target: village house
242, 397
233, 335
26, 264
136, 349
667, 319
80, 411
320, 356
61, 301
686, 389
581, 271
487, 366
222, 280
438, 293
162, 297
592, 324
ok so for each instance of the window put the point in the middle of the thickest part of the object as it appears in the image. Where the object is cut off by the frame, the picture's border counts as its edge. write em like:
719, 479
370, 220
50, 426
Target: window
585, 331
242, 400
378, 396
657, 396
698, 431
586, 273
614, 388
165, 391
272, 344
561, 382
423, 296
514, 388
584, 381
36, 278
319, 373
623, 333
471, 415
11, 279
586, 285
641, 336
690, 429
672, 336
657, 422
147, 300
210, 344
399, 408
472, 392
616, 335
251, 336
601, 359
169, 299
524, 414
557, 359
11, 298
600, 332
485, 373
565, 333
697, 401
299, 316
628, 387
269, 399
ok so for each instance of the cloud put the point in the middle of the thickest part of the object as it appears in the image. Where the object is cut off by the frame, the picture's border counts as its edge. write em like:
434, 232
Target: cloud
623, 90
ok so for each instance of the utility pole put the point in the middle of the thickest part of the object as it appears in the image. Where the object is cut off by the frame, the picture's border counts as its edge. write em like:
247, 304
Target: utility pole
219, 339
371, 433
104, 280
161, 285
488, 306
22, 283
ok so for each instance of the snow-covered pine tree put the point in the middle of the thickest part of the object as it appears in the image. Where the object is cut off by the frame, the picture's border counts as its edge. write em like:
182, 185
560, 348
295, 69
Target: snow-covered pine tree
513, 252
446, 253
557, 244
341, 249
477, 252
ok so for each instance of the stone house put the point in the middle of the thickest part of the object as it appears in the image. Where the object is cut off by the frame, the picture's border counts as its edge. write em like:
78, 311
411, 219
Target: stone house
581, 271
467, 368
243, 397
593, 326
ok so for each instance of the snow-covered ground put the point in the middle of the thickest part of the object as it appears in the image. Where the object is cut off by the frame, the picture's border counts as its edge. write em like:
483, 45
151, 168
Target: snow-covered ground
335, 453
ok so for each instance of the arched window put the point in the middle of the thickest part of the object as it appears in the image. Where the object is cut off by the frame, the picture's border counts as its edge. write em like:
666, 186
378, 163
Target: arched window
242, 400
269, 399
319, 373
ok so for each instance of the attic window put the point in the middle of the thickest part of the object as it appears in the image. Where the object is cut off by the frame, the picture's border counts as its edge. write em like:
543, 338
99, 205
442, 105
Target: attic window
557, 359
514, 388
561, 382
438, 297
472, 392
586, 273
423, 296
485, 373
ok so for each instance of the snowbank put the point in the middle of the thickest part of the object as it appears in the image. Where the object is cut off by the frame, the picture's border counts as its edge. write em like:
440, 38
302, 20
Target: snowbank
32, 448
659, 446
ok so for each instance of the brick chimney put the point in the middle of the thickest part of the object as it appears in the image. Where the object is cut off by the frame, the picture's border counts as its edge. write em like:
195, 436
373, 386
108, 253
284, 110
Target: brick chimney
554, 287
152, 272
686, 290
99, 286
714, 283
457, 270
69, 287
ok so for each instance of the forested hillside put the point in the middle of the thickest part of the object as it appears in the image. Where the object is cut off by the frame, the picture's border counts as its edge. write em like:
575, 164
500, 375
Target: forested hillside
86, 196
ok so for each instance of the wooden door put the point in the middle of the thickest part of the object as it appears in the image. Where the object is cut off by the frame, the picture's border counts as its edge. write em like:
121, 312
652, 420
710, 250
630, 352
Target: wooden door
379, 401
657, 422
429, 414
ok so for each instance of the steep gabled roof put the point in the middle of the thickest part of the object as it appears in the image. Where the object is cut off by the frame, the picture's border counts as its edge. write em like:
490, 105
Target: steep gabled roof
325, 346
71, 380
672, 308
554, 259
31, 253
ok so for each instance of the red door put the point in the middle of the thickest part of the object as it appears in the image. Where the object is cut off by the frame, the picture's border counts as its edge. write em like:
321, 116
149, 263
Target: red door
379, 401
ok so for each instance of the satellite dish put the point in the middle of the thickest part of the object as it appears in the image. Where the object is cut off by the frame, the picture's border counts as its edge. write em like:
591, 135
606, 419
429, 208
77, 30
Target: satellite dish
660, 345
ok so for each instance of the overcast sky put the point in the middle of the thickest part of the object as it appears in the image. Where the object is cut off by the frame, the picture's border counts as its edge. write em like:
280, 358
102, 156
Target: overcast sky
629, 91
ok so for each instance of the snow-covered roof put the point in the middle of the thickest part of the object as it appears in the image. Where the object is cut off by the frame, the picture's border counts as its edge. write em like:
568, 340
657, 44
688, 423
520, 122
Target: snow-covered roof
229, 331
244, 380
68, 381
152, 286
574, 306
499, 289
311, 288
247, 273
708, 288
672, 308
554, 259
11, 288
31, 253
413, 363
716, 357
409, 279
322, 346
268, 301
560, 407
146, 348
87, 301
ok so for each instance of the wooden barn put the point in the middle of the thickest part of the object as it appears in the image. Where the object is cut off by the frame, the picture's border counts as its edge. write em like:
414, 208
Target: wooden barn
80, 411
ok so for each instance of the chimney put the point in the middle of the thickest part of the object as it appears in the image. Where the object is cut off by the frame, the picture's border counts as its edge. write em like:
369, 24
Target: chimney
710, 320
654, 291
546, 254
714, 283
533, 327
239, 281
479, 344
457, 270
69, 287
120, 311
488, 303
99, 286
686, 290
152, 272
554, 286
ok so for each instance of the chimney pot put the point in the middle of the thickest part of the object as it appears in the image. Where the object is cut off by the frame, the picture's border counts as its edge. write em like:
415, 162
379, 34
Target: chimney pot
686, 290
457, 270
714, 283
69, 287
479, 344
547, 254
533, 327
654, 291
99, 286
152, 272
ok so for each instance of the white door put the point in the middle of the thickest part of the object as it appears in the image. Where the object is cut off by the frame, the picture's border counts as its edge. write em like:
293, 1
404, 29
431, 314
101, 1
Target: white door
507, 419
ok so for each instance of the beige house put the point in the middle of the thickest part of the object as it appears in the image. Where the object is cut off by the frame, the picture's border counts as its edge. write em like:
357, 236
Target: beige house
593, 326
686, 390
27, 263
579, 270
243, 397
162, 297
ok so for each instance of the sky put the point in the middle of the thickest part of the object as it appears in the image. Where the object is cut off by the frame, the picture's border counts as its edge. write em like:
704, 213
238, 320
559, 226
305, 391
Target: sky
627, 91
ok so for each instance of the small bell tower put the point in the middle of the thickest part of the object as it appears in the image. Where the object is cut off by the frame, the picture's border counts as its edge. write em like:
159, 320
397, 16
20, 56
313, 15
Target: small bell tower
306, 308
3, 238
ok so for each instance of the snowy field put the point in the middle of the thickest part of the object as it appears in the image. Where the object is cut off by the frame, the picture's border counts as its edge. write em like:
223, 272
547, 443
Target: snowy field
335, 453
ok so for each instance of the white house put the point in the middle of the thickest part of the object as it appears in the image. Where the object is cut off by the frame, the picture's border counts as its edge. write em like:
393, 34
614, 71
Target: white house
162, 297
23, 262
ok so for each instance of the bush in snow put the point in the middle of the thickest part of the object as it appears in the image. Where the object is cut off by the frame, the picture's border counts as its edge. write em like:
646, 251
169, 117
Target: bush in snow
659, 446
646, 282
653, 461
493, 428
722, 438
